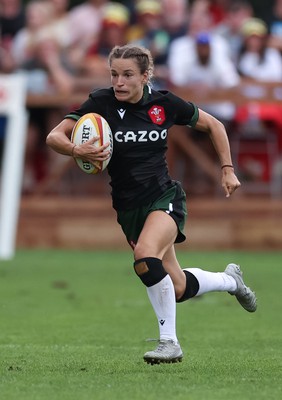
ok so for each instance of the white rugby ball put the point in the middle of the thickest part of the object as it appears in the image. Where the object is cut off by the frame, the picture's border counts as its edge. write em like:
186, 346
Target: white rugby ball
87, 127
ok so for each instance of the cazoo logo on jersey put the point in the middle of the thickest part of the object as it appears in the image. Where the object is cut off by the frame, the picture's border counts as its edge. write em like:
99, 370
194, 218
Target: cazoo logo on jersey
140, 136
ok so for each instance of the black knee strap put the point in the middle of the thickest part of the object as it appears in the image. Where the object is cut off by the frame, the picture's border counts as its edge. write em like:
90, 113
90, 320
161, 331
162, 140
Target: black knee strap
192, 287
150, 270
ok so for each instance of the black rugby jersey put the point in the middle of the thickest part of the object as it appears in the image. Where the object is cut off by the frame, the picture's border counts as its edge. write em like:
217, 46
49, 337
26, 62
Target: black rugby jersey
138, 167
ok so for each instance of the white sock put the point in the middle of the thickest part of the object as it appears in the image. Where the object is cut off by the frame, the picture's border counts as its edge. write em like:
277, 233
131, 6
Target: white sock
213, 281
162, 298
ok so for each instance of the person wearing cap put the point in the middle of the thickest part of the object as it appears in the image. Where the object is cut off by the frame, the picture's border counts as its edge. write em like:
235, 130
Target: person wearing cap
114, 26
257, 60
260, 64
115, 23
204, 68
149, 32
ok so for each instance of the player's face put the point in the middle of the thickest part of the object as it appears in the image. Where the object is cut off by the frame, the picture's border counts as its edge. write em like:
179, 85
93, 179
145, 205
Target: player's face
127, 80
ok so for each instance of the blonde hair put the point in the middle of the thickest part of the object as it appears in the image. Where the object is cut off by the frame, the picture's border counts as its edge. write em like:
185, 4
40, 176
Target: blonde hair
142, 56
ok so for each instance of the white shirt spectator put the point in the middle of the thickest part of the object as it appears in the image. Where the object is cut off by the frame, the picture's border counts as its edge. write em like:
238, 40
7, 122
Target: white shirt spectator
267, 69
258, 60
183, 51
186, 69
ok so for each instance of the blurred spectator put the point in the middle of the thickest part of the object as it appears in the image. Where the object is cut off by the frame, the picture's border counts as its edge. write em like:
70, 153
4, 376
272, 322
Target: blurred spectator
200, 20
218, 10
183, 50
48, 73
200, 61
230, 28
259, 122
38, 52
60, 27
275, 25
85, 26
12, 19
47, 69
256, 59
115, 22
39, 14
200, 17
148, 32
202, 70
175, 17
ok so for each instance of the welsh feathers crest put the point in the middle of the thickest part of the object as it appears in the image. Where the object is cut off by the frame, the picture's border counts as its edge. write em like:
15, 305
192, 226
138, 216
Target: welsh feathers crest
157, 115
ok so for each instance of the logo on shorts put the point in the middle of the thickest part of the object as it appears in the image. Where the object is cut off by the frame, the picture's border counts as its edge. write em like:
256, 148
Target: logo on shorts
157, 114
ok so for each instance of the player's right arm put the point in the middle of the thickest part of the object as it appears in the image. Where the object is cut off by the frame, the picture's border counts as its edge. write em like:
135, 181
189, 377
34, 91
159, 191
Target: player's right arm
59, 139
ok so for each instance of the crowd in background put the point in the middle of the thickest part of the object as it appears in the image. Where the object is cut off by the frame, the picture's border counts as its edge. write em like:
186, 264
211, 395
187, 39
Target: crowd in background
203, 44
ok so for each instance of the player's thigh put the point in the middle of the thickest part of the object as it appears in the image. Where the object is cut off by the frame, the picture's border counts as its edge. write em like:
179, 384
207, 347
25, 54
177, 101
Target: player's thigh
157, 236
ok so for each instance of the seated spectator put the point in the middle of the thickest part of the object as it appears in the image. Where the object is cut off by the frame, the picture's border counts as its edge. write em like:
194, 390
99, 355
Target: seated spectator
257, 60
218, 10
12, 19
94, 66
37, 51
230, 28
148, 32
48, 71
201, 69
39, 15
85, 26
174, 17
200, 61
274, 22
115, 23
201, 20
60, 26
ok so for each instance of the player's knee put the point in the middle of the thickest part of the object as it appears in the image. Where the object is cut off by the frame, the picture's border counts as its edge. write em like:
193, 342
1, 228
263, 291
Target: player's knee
143, 250
150, 270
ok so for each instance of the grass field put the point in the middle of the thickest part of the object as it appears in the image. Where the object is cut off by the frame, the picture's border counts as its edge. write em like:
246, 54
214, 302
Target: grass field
74, 326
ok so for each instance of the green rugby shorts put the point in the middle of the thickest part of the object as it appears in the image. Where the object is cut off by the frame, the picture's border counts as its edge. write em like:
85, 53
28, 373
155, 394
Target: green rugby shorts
172, 201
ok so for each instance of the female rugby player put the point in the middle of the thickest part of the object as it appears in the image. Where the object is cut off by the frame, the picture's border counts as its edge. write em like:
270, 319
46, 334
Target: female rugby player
150, 206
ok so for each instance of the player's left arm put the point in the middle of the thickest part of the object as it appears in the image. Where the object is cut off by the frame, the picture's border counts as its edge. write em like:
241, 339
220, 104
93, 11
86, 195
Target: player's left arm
216, 130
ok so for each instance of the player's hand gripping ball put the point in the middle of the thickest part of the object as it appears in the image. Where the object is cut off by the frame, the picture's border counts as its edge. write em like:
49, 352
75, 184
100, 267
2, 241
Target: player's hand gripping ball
87, 127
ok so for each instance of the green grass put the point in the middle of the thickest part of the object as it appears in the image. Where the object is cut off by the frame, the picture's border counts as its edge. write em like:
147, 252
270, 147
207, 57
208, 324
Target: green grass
73, 325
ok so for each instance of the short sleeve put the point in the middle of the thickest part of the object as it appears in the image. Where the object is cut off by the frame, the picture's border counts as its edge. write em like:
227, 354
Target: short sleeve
87, 107
185, 113
94, 104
